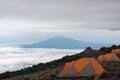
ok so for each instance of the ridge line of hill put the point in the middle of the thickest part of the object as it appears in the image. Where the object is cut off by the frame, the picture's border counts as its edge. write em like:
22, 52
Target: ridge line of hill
88, 52
64, 43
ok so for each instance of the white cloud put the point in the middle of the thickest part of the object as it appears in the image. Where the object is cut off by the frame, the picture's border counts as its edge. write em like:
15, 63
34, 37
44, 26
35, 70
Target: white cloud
22, 31
11, 26
12, 58
103, 12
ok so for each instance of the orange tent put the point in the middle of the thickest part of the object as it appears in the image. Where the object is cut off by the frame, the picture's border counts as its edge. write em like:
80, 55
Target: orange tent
83, 67
108, 57
116, 51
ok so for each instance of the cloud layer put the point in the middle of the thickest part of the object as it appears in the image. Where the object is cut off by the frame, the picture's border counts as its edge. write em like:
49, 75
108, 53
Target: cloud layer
12, 58
94, 14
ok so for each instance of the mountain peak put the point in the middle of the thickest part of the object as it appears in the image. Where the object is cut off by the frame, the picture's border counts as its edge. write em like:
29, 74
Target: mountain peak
60, 37
61, 42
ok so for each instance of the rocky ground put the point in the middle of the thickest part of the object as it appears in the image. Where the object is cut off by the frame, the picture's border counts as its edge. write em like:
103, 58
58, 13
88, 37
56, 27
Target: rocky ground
49, 70
44, 75
112, 73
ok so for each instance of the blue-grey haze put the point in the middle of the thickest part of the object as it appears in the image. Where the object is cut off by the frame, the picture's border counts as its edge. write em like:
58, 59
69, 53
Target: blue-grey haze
28, 21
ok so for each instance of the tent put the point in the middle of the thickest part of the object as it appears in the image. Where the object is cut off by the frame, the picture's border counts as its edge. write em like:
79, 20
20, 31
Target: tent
25, 71
101, 58
116, 51
108, 57
84, 67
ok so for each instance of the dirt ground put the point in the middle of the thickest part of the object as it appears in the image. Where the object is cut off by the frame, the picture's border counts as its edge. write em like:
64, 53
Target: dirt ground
112, 73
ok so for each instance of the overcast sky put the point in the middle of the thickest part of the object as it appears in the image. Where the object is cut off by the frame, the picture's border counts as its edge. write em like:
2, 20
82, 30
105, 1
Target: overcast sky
24, 21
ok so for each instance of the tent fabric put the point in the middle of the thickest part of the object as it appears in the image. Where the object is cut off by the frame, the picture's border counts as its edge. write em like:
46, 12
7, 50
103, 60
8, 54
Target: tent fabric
113, 59
98, 68
100, 58
67, 67
108, 57
116, 51
82, 67
71, 72
88, 70
25, 71
116, 57
80, 64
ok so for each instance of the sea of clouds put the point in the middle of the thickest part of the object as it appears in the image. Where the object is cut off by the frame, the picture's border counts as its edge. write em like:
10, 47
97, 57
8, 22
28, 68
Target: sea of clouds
14, 58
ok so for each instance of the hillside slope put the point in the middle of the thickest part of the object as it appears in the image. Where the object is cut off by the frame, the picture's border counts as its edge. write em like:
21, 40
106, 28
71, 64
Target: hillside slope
54, 67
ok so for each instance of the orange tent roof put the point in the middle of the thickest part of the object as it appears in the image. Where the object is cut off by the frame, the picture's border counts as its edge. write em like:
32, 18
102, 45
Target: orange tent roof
82, 67
67, 67
108, 57
100, 58
117, 51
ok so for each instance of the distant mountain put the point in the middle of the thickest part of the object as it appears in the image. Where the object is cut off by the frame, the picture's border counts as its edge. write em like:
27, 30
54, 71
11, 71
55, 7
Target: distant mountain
63, 43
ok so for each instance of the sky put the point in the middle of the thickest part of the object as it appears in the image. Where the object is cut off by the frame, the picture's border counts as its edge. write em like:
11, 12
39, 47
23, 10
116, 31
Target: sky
29, 21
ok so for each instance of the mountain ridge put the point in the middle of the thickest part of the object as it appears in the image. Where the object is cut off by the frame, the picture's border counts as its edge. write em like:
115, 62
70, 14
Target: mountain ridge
60, 42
